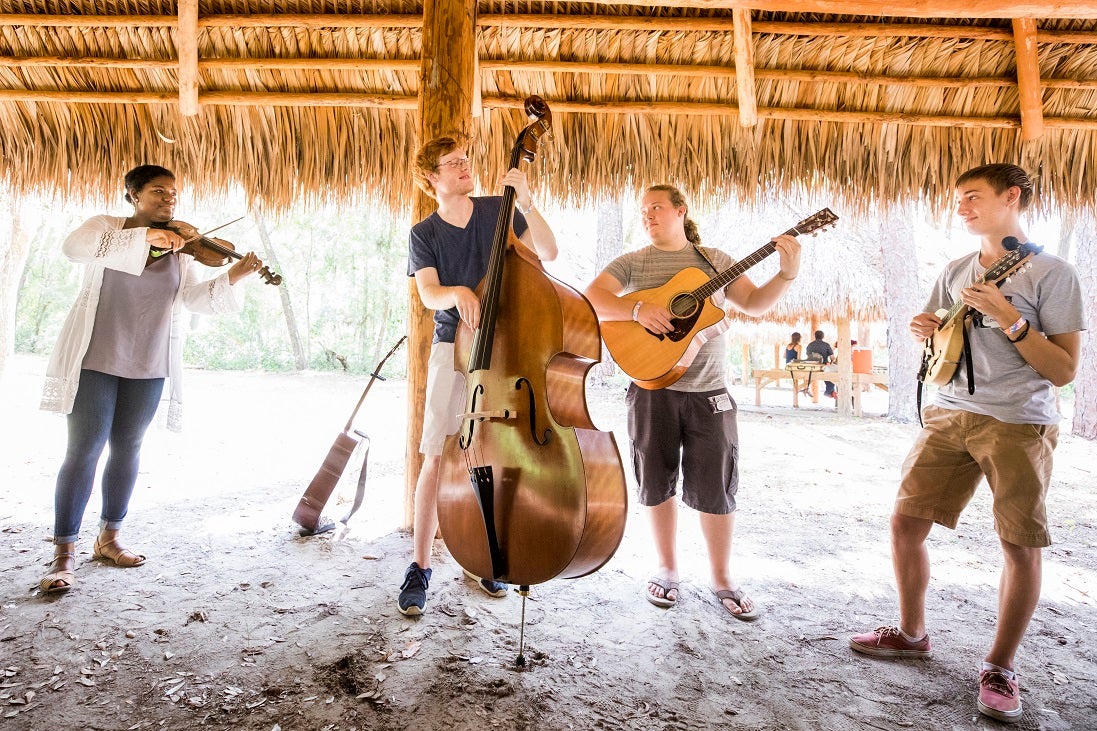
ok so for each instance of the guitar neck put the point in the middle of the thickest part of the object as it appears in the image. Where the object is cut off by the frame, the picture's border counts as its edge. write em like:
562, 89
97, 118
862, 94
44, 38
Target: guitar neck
735, 271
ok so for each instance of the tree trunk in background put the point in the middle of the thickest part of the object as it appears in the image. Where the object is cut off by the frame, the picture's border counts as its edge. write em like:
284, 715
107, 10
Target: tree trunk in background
300, 357
1085, 382
1066, 234
844, 381
904, 299
13, 257
610, 245
446, 90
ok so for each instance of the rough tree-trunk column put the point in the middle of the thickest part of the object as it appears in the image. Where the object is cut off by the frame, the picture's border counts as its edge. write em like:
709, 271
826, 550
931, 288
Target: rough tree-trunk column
905, 299
1085, 381
445, 107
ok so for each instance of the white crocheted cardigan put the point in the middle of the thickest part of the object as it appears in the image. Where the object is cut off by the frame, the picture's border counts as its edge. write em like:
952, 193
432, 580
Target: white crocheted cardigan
99, 244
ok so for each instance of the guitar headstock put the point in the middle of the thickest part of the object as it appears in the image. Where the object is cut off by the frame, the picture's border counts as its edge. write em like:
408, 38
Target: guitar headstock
813, 224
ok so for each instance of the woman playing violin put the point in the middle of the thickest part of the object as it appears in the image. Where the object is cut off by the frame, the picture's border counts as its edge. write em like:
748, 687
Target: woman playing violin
108, 369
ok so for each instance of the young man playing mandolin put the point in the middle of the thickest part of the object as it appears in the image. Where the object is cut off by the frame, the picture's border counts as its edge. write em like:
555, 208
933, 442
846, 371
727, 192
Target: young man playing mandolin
448, 256
1023, 343
691, 422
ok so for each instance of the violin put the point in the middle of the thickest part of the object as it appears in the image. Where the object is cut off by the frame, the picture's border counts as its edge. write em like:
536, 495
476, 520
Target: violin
212, 252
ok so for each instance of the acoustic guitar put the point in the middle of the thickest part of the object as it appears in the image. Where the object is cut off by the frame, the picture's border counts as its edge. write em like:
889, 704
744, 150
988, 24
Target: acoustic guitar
657, 360
942, 351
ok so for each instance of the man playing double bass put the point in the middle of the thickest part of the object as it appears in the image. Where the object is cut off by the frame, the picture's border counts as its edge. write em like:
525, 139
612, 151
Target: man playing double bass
448, 256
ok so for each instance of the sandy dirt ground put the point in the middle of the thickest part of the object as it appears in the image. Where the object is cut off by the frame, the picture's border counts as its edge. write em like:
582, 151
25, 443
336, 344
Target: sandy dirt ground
238, 622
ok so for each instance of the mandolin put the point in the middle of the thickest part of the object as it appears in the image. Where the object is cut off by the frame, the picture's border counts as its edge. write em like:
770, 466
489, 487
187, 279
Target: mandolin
942, 351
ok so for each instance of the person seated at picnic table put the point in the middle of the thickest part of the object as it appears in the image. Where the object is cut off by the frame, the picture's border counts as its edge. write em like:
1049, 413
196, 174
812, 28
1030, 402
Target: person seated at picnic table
820, 350
792, 350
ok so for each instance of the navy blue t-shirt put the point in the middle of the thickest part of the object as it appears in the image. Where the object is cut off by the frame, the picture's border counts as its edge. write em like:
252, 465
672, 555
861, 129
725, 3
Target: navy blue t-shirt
460, 255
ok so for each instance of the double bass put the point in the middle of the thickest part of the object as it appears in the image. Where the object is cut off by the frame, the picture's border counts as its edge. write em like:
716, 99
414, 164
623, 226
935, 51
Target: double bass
529, 490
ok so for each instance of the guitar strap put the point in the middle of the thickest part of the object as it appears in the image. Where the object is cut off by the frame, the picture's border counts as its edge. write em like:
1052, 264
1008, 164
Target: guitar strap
967, 360
704, 256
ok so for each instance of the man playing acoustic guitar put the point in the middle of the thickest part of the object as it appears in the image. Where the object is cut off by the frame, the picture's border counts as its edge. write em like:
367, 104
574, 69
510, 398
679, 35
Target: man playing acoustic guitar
1023, 343
692, 421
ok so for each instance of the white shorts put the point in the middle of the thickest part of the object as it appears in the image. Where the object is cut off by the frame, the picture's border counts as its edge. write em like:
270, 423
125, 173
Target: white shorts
445, 399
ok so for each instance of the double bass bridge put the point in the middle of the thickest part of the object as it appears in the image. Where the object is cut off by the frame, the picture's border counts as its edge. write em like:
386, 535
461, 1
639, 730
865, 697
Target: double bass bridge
487, 415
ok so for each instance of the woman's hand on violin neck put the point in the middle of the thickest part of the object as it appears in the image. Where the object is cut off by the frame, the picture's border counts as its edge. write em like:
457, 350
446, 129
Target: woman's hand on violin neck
163, 239
249, 264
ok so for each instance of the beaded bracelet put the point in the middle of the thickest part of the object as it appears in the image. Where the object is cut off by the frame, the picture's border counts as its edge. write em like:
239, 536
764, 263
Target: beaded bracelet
1023, 335
636, 312
1015, 327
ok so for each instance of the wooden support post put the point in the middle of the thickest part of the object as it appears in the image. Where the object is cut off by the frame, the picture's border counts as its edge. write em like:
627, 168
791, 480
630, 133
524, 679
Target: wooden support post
744, 68
186, 46
445, 107
844, 383
1028, 78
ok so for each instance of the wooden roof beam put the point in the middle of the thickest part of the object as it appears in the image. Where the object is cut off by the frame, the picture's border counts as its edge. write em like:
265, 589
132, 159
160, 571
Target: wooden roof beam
744, 69
186, 45
407, 102
544, 21
549, 67
890, 8
1028, 78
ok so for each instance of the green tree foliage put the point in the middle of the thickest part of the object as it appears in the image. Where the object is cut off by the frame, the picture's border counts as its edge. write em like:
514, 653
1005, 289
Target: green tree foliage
346, 270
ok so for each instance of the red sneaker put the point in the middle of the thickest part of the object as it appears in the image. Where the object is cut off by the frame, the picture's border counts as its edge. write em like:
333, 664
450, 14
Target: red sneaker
888, 642
999, 697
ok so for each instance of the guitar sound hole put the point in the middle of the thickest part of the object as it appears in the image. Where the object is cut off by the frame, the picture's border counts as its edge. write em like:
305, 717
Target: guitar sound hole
683, 305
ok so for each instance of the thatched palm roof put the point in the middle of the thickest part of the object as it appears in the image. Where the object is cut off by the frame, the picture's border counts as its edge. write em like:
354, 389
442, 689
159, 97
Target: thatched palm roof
298, 99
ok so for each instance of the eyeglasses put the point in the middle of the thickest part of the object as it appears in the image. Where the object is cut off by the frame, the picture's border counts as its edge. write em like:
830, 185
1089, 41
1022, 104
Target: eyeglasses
456, 164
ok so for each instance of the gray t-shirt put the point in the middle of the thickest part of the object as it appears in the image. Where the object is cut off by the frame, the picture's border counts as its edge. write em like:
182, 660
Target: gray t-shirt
133, 321
1049, 296
651, 267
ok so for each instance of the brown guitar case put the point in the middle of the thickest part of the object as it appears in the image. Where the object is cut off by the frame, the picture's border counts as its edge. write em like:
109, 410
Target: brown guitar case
309, 508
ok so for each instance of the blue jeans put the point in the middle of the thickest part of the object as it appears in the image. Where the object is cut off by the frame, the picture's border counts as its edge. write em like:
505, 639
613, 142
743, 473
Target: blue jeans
107, 409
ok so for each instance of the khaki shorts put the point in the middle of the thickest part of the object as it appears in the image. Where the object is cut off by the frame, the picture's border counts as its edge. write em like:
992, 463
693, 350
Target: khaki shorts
957, 448
445, 400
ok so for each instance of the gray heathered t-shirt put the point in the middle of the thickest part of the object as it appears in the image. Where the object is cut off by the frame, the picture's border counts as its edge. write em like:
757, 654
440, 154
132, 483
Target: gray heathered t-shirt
1049, 296
133, 321
651, 267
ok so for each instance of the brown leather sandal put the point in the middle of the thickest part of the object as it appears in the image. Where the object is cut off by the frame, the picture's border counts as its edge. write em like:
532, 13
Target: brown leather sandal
60, 580
115, 553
